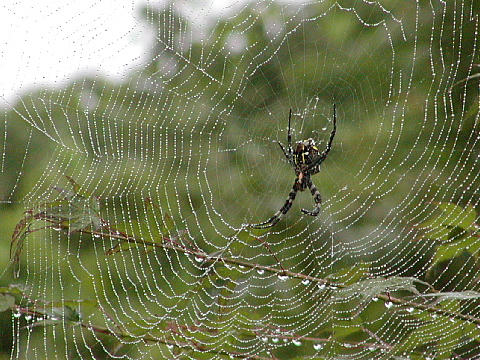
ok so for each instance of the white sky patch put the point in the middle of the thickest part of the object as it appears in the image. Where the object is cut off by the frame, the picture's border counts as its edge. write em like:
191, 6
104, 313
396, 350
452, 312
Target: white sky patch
48, 43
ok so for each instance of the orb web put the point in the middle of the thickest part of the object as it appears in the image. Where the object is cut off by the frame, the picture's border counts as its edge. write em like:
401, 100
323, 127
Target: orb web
149, 253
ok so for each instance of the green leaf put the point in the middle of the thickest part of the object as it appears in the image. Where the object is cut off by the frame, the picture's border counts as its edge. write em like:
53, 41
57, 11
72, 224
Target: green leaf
448, 251
460, 295
370, 288
75, 212
22, 229
451, 216
6, 302
62, 314
442, 334
455, 215
12, 289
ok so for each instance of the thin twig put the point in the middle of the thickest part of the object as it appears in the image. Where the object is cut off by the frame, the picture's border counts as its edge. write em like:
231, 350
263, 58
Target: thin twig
190, 346
271, 252
376, 337
213, 259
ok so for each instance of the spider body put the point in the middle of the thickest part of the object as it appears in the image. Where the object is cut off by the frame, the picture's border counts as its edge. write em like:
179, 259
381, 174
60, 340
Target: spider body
305, 158
304, 155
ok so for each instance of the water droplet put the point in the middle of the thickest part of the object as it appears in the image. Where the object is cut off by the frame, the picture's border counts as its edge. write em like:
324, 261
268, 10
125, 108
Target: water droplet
321, 286
28, 317
241, 267
285, 340
275, 340
282, 277
428, 358
333, 287
410, 309
198, 259
16, 315
296, 342
305, 282
371, 348
264, 339
374, 299
345, 188
96, 235
388, 304
260, 271
324, 128
56, 228
434, 316
318, 346
170, 346
347, 345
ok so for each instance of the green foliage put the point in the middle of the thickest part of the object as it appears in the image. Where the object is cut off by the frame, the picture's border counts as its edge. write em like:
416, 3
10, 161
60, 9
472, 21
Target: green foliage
455, 229
441, 334
6, 302
352, 297
208, 297
449, 219
58, 315
370, 288
22, 229
470, 244
75, 211
460, 295
154, 232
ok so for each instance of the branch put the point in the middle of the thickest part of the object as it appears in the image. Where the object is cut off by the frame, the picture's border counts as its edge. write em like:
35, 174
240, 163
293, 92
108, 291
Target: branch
181, 345
282, 272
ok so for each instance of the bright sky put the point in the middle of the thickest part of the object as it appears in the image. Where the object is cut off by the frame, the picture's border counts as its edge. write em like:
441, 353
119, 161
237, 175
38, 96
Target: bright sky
48, 42
51, 42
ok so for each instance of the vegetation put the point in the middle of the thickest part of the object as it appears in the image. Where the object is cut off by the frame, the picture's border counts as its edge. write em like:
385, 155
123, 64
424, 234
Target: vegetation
131, 236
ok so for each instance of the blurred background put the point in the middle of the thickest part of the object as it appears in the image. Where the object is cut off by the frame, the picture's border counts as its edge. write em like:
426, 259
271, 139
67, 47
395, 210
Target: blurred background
181, 103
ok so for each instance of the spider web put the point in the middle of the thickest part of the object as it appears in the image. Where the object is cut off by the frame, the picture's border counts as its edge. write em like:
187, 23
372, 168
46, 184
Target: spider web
143, 188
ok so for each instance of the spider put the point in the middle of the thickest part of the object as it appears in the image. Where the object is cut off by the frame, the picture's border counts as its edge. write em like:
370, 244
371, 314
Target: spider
305, 159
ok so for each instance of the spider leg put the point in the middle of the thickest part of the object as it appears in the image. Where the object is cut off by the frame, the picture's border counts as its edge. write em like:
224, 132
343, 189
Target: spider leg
287, 154
280, 213
316, 197
324, 154
332, 134
314, 170
289, 135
